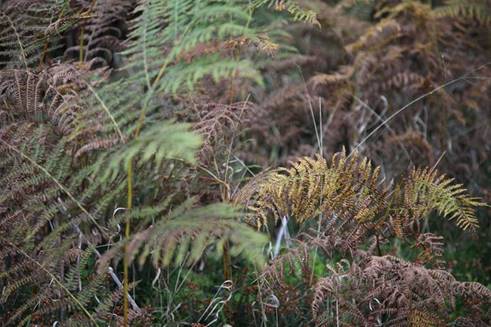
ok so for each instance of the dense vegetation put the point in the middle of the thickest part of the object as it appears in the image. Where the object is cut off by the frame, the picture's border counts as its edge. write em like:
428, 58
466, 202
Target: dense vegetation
245, 162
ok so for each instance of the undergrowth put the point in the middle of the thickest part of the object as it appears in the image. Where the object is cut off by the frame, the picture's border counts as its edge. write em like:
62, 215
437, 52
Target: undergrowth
288, 163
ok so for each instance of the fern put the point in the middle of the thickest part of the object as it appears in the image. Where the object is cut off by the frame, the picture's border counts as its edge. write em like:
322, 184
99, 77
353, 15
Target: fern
476, 10
409, 301
298, 12
43, 197
88, 132
154, 145
188, 24
100, 33
187, 228
425, 191
423, 318
312, 187
30, 31
121, 126
354, 210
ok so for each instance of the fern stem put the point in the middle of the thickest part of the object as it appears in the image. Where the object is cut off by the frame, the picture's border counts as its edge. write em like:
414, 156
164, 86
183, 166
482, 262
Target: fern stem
379, 251
127, 236
45, 51
106, 109
227, 262
81, 40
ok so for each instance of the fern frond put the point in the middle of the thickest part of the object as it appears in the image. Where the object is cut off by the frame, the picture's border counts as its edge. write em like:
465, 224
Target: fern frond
426, 190
312, 186
182, 236
404, 292
45, 270
298, 12
418, 318
155, 144
101, 32
188, 25
29, 30
168, 53
474, 10
377, 36
349, 187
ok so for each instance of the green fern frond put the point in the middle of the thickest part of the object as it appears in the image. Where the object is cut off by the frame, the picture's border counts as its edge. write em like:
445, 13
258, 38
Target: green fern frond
182, 236
189, 24
154, 145
173, 46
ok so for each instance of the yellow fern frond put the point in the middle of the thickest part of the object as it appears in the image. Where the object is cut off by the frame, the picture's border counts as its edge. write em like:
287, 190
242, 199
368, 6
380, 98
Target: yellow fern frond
312, 186
419, 318
349, 187
425, 190
474, 10
298, 12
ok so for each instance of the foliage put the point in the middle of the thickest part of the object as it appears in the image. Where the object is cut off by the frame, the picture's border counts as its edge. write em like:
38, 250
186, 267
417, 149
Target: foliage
311, 187
353, 211
391, 291
136, 138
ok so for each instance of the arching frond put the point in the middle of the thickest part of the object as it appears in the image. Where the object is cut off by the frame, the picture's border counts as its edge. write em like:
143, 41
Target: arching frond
473, 10
425, 190
292, 7
312, 187
186, 232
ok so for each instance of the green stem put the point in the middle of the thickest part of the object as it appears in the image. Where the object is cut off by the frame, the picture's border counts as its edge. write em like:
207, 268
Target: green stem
127, 236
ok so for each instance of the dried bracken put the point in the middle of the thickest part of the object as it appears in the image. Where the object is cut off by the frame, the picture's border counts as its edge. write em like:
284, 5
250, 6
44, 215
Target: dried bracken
237, 162
393, 292
349, 187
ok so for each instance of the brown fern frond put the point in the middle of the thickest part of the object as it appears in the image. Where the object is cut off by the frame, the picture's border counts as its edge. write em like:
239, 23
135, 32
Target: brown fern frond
97, 145
431, 246
215, 121
391, 290
99, 36
377, 36
344, 74
49, 95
